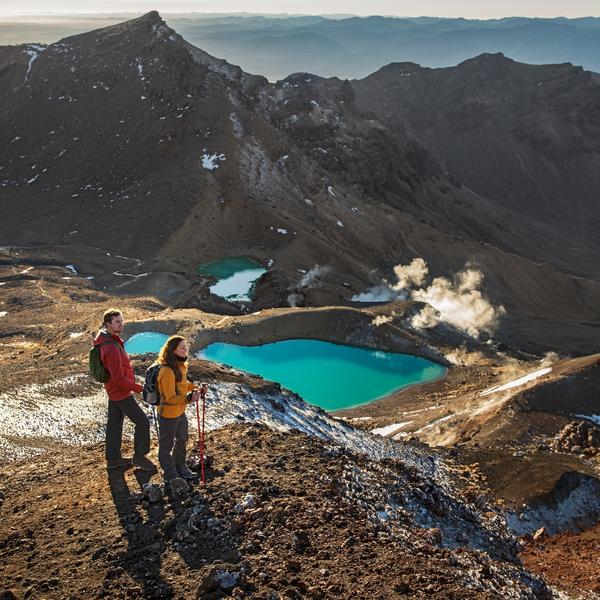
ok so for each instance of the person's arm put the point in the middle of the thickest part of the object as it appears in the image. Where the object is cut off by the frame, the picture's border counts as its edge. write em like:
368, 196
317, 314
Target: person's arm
110, 355
167, 386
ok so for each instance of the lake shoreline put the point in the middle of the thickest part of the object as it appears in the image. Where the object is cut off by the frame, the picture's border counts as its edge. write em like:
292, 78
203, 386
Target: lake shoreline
329, 375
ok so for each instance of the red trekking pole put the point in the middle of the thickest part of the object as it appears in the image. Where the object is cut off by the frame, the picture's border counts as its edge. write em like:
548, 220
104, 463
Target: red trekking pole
203, 390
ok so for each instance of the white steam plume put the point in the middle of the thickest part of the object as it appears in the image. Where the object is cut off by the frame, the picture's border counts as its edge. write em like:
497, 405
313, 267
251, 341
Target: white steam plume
378, 293
549, 359
410, 276
457, 301
294, 299
381, 320
310, 278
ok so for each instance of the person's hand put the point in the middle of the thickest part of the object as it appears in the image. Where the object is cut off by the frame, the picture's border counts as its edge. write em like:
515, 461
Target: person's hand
195, 395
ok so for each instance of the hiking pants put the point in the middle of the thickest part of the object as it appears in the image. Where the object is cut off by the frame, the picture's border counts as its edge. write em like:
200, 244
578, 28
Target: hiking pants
171, 444
117, 410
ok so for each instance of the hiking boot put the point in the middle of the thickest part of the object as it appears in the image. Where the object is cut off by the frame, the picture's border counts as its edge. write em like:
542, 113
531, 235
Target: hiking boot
141, 462
185, 472
118, 463
179, 486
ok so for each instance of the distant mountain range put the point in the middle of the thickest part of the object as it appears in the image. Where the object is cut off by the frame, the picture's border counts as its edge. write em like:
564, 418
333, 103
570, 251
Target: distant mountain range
131, 139
353, 47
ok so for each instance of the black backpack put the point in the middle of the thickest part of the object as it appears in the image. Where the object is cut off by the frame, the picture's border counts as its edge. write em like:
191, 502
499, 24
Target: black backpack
150, 393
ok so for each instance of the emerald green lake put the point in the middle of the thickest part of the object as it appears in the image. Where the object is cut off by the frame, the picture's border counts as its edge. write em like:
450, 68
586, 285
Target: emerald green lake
146, 341
236, 276
328, 375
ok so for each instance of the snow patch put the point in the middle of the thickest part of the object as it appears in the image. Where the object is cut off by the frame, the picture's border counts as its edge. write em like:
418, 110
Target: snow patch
33, 51
210, 161
388, 429
593, 418
517, 382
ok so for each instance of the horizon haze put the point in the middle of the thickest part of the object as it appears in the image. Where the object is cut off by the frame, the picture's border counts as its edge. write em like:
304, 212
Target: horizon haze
433, 8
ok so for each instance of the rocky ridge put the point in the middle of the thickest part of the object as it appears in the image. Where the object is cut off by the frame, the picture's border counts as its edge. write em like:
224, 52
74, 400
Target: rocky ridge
282, 516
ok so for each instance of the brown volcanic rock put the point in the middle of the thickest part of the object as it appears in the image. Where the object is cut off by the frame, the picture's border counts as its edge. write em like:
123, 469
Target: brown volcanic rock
569, 560
579, 437
519, 136
265, 525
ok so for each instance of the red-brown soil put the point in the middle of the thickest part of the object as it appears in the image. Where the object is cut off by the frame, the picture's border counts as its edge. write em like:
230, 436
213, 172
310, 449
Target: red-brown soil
569, 560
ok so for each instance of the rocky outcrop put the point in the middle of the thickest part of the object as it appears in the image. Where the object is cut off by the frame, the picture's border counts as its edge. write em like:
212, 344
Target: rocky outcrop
578, 437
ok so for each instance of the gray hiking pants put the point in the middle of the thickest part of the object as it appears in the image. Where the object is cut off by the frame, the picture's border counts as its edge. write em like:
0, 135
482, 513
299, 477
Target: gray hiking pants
117, 410
171, 444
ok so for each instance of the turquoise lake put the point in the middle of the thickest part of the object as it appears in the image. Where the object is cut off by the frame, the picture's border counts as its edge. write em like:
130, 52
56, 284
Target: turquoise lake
236, 277
147, 341
328, 375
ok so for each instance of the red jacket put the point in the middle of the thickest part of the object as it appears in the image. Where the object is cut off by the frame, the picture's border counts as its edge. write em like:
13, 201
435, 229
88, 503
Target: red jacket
116, 361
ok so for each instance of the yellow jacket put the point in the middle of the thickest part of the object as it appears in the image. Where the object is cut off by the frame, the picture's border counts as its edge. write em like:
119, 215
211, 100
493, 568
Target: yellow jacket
173, 392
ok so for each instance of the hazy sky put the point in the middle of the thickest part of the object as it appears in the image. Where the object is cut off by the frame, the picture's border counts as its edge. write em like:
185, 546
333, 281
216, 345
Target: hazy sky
482, 9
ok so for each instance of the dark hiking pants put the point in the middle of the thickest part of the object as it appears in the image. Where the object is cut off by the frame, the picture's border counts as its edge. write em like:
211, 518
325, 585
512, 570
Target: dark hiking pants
171, 444
117, 410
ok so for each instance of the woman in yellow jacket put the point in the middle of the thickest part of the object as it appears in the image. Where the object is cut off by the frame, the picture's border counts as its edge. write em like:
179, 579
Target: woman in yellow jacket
174, 388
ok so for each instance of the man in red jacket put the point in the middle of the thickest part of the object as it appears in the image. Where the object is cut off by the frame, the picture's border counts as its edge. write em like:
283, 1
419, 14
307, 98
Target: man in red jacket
120, 389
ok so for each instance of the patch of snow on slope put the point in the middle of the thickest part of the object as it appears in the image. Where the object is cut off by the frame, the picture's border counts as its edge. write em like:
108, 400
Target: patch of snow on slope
593, 418
210, 161
517, 382
33, 51
388, 429
51, 411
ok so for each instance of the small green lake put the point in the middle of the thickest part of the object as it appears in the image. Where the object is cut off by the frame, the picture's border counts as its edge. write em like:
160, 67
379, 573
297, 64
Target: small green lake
236, 276
146, 341
328, 375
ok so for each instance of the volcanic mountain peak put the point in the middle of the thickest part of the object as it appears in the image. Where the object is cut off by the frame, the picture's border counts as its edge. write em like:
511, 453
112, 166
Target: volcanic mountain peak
150, 22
